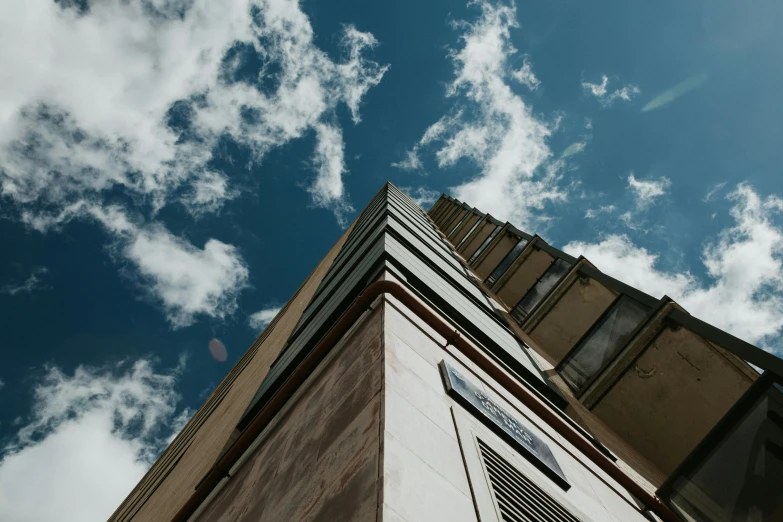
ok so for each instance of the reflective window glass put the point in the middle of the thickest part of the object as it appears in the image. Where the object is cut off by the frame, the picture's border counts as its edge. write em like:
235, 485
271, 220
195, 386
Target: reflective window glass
463, 218
741, 478
603, 342
477, 223
483, 245
534, 296
503, 266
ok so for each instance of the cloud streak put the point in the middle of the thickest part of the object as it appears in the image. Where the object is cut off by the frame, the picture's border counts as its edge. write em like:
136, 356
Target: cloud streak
31, 283
682, 88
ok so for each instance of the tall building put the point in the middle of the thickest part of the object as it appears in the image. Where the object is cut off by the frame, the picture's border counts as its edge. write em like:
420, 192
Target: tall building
445, 366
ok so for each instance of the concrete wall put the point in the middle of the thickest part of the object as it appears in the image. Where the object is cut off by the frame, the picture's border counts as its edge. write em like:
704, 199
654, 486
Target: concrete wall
571, 317
424, 476
514, 286
671, 396
172, 479
495, 255
320, 462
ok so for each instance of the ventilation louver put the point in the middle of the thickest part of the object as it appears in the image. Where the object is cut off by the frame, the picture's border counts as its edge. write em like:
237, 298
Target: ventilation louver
518, 497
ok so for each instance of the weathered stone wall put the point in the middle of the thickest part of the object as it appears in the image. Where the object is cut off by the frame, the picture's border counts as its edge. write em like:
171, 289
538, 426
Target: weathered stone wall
320, 460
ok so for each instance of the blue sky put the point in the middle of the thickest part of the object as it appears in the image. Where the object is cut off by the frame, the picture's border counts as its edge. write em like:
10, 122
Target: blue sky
171, 171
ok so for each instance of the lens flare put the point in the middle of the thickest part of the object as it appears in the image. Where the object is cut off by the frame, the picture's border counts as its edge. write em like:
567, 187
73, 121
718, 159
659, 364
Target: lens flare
218, 350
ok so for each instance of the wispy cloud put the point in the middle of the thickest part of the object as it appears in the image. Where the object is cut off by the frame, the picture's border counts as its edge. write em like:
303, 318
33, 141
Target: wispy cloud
490, 125
259, 320
102, 427
410, 162
31, 283
646, 191
422, 196
593, 213
744, 290
669, 95
713, 191
526, 76
605, 96
574, 148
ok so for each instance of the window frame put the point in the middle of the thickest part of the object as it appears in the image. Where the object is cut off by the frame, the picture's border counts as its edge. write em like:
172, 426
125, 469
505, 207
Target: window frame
718, 434
544, 297
593, 328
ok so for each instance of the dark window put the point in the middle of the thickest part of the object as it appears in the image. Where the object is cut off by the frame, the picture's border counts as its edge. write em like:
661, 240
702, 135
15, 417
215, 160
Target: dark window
542, 287
600, 346
518, 498
503, 266
477, 223
483, 245
740, 478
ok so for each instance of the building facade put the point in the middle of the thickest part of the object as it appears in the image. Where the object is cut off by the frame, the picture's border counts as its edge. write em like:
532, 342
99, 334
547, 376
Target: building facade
446, 366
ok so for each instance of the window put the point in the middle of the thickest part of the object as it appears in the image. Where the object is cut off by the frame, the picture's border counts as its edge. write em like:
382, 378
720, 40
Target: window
542, 287
476, 224
602, 343
503, 266
736, 473
483, 245
463, 218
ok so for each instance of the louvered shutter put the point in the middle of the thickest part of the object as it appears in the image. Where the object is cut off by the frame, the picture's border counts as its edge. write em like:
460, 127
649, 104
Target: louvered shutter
518, 497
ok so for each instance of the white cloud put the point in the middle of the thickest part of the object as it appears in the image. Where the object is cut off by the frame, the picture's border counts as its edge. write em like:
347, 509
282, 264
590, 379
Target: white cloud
30, 284
422, 196
410, 162
574, 148
526, 76
645, 192
132, 97
260, 320
607, 98
597, 89
2, 384
328, 189
669, 95
187, 280
713, 191
491, 126
85, 98
744, 290
593, 213
89, 439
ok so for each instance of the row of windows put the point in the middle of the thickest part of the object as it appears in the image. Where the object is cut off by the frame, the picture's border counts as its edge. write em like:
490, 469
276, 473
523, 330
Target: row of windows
736, 472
